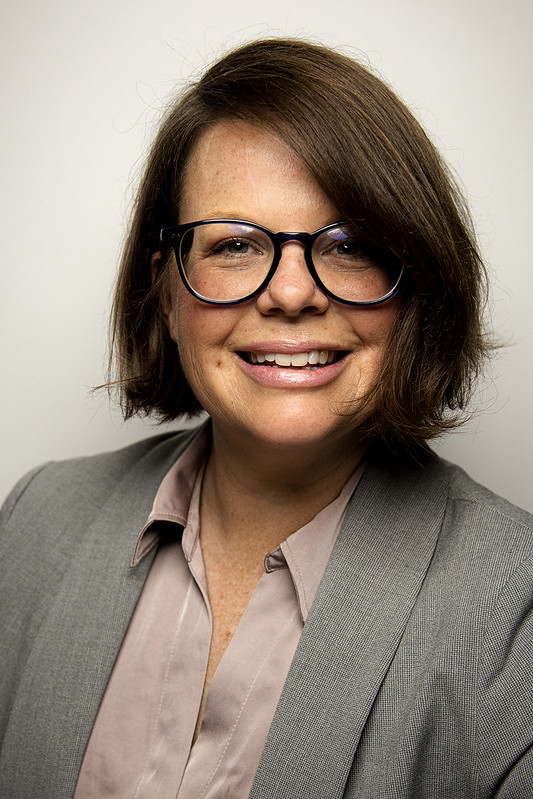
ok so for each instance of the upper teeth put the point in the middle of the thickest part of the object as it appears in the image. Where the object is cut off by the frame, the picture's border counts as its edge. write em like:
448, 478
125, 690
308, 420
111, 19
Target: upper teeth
311, 358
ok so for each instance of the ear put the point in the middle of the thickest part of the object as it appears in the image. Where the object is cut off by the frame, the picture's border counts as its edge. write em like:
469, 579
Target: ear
165, 299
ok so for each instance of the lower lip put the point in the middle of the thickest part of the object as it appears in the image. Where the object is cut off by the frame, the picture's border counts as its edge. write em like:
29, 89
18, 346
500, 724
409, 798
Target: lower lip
292, 377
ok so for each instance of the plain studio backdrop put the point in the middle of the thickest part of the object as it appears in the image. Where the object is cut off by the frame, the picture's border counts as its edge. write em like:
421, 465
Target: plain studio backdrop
83, 85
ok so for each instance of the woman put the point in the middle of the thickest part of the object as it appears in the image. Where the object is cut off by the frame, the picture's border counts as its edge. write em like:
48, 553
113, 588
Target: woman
299, 598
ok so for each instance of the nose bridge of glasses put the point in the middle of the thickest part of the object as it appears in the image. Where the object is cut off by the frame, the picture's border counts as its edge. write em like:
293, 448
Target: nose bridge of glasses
285, 238
304, 239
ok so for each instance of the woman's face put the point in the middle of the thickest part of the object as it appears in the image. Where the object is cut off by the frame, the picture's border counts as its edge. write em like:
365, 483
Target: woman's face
239, 171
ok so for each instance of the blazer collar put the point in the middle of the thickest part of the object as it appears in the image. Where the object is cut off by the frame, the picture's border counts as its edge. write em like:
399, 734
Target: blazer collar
353, 629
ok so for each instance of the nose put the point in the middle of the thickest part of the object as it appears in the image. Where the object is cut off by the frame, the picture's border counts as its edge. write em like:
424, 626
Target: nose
292, 290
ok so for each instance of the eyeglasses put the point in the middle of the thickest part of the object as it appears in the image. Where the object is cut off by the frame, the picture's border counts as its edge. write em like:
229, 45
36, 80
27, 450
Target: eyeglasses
229, 261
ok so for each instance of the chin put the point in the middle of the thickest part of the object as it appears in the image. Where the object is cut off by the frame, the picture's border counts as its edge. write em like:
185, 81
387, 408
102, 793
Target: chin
299, 431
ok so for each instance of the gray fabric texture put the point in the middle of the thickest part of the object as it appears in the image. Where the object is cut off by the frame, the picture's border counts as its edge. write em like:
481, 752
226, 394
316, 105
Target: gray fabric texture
413, 677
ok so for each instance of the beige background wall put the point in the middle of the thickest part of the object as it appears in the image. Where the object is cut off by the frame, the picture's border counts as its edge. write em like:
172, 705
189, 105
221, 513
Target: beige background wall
81, 87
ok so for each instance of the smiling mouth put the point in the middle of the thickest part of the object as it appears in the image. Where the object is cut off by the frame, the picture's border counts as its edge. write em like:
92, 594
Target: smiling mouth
314, 359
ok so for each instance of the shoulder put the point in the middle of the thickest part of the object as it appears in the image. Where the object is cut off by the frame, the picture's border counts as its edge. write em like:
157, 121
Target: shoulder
463, 489
82, 485
479, 536
490, 524
481, 571
469, 502
83, 509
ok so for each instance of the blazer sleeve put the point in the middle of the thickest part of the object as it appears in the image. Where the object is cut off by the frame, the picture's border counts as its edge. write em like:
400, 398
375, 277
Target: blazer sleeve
18, 606
518, 783
505, 689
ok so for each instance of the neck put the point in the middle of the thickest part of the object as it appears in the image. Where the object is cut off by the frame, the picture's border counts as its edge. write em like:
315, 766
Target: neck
261, 494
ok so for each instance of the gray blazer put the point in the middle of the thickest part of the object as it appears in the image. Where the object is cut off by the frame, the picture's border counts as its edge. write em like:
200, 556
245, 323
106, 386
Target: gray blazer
413, 677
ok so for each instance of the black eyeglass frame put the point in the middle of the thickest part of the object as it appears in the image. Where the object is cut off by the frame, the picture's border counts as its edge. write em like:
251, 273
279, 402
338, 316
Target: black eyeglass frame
174, 236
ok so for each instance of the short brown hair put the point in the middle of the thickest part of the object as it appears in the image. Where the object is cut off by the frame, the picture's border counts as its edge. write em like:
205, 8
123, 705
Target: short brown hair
372, 158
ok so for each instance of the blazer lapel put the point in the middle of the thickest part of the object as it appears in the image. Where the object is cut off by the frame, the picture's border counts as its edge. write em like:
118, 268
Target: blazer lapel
74, 653
361, 609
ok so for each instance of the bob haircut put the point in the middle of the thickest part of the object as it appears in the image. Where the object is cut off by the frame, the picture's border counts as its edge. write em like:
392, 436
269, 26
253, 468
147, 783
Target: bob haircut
372, 158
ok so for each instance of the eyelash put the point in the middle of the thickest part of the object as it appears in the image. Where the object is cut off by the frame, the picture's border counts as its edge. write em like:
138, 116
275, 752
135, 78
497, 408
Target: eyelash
225, 243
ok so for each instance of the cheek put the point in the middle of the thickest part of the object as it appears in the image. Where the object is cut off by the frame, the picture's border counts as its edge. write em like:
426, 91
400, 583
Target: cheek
190, 333
374, 331
205, 358
201, 332
374, 326
191, 349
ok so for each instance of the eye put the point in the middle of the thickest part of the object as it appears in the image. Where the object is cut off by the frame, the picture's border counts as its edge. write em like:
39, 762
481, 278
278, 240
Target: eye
233, 246
342, 246
349, 248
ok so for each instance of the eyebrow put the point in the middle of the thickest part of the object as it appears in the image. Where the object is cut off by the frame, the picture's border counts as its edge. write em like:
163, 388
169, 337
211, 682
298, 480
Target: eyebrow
232, 215
241, 218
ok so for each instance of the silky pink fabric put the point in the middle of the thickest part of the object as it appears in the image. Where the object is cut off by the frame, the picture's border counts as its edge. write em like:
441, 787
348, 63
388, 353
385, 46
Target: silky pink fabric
142, 745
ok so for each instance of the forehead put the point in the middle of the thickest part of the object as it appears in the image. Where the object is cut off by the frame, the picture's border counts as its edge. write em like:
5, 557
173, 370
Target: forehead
237, 144
239, 169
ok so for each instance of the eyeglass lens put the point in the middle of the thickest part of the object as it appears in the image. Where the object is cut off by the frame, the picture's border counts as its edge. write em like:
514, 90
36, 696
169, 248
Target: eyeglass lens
227, 261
